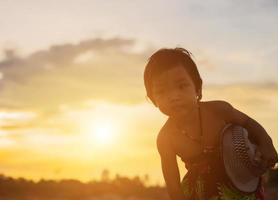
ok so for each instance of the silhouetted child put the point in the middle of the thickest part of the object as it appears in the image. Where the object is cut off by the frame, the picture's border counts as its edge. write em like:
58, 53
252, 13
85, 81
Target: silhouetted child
192, 130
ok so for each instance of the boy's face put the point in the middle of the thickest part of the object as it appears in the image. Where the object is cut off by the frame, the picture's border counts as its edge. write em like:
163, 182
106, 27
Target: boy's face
174, 92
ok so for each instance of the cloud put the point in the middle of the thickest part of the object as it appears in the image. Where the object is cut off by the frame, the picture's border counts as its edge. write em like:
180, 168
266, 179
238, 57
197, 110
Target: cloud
96, 68
16, 68
65, 76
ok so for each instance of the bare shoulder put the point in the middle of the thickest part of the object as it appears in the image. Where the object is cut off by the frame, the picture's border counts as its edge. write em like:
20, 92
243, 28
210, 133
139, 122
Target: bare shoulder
220, 107
228, 112
220, 110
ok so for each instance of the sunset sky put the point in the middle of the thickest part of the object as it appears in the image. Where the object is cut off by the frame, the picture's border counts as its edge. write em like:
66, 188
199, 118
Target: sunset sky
72, 99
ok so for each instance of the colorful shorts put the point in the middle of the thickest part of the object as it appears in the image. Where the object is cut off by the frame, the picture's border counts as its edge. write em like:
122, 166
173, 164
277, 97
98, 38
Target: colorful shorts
196, 191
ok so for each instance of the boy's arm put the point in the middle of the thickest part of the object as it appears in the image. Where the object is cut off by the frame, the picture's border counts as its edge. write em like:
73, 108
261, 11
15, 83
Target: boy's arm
170, 168
256, 132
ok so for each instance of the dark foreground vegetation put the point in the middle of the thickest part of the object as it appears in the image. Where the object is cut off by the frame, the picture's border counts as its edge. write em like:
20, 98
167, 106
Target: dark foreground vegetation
120, 188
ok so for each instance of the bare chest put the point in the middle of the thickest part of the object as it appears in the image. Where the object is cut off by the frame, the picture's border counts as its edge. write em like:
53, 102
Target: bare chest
187, 148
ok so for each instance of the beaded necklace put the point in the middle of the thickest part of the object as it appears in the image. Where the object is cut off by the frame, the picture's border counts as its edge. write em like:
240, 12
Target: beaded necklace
200, 123
205, 148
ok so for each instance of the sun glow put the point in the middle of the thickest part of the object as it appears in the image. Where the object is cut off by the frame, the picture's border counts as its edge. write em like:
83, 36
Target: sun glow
102, 132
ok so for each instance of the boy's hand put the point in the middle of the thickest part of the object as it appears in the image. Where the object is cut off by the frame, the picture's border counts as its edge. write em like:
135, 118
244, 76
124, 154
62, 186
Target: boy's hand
266, 155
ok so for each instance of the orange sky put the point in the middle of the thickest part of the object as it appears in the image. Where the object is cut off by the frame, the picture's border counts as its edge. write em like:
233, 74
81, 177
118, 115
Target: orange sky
74, 119
72, 99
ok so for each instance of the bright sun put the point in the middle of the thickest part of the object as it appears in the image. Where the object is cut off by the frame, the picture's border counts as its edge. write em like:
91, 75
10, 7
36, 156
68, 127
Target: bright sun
102, 131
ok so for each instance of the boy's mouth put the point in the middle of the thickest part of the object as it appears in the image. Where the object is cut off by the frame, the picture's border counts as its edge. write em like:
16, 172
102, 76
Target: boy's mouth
178, 108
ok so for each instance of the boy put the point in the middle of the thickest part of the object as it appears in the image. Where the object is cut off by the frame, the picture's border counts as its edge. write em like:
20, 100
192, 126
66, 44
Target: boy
174, 85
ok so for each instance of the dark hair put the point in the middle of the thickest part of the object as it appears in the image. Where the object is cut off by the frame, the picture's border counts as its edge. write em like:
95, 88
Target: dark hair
164, 59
